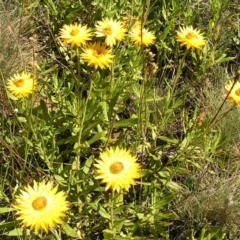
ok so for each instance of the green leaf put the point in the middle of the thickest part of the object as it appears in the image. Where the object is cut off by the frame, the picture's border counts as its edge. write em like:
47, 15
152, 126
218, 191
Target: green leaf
118, 223
87, 165
69, 231
223, 58
7, 225
170, 140
6, 209
60, 180
126, 238
160, 229
126, 123
97, 207
22, 119
108, 234
174, 186
166, 199
96, 137
18, 232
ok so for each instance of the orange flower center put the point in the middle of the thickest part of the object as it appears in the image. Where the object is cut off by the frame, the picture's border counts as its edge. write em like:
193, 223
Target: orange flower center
116, 167
97, 53
108, 30
74, 32
39, 203
19, 82
237, 92
190, 35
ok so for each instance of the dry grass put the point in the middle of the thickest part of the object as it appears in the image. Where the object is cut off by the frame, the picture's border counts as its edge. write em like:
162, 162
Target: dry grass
16, 51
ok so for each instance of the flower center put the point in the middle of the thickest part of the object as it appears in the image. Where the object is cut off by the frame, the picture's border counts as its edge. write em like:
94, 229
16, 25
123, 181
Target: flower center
97, 53
237, 92
116, 167
19, 82
190, 35
39, 203
74, 32
108, 30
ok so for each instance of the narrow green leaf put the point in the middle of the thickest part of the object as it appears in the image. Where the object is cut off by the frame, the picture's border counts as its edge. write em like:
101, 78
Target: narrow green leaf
7, 225
87, 165
69, 231
126, 123
17, 232
97, 207
6, 209
170, 140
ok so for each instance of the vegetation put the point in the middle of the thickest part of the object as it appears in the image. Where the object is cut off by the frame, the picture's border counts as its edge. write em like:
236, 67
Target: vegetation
132, 136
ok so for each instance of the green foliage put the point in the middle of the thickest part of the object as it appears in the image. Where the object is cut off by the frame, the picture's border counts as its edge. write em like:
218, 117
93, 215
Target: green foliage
163, 103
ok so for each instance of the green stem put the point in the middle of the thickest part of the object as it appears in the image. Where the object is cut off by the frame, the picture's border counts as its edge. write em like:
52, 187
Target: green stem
112, 81
78, 89
179, 71
111, 127
84, 115
78, 66
78, 94
112, 210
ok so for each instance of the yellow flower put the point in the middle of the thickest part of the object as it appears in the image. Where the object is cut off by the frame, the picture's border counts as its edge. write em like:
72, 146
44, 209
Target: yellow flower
112, 30
21, 85
190, 37
141, 36
117, 168
234, 95
75, 34
97, 55
41, 206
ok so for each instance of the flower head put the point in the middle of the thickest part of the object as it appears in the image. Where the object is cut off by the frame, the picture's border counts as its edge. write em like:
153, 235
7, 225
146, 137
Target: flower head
234, 95
97, 55
41, 206
117, 168
112, 30
21, 85
190, 37
141, 36
75, 34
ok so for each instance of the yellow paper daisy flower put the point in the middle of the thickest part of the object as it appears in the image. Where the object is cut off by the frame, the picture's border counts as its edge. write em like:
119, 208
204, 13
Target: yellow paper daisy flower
117, 168
141, 36
191, 38
75, 34
21, 85
112, 30
41, 206
97, 55
234, 95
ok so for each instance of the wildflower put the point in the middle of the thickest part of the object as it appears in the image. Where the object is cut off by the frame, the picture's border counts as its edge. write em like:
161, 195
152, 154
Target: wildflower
112, 30
190, 37
234, 95
97, 55
117, 168
75, 34
141, 36
40, 206
21, 85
